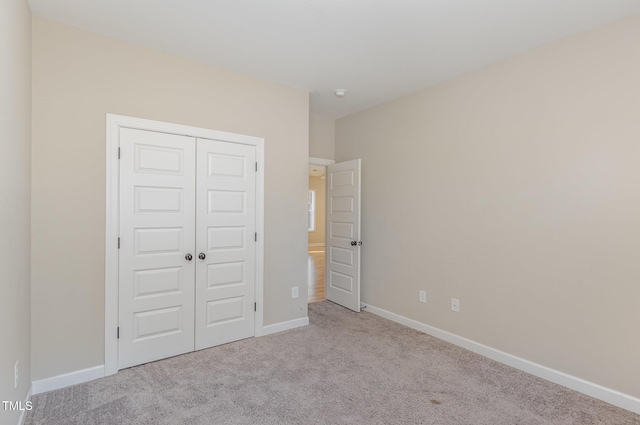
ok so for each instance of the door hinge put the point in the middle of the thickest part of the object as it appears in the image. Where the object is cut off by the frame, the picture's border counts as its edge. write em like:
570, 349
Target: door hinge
256, 166
255, 306
118, 332
118, 153
118, 243
256, 236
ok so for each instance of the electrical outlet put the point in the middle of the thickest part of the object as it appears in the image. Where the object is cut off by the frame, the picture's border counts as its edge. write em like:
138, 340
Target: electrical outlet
294, 292
423, 296
455, 304
15, 375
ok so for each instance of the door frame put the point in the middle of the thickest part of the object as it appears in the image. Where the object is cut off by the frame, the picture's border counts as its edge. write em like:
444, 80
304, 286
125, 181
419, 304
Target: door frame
114, 124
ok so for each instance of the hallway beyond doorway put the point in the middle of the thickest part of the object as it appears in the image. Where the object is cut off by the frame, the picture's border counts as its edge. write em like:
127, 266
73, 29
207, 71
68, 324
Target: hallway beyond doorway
316, 275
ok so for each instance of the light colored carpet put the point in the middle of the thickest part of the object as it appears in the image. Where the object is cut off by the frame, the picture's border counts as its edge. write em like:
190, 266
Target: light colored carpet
344, 368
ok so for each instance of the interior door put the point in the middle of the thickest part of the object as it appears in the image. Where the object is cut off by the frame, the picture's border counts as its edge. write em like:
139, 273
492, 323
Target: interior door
225, 229
343, 234
157, 236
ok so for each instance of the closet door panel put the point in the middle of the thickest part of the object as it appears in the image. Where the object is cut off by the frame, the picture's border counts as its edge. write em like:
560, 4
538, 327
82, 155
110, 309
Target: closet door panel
157, 230
225, 239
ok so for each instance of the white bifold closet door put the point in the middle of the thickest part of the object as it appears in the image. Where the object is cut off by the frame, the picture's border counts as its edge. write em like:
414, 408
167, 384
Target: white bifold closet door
187, 250
225, 237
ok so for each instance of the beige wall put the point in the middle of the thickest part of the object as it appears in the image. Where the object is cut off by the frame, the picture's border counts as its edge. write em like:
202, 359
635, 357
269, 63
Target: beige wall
321, 136
78, 77
319, 185
515, 188
15, 199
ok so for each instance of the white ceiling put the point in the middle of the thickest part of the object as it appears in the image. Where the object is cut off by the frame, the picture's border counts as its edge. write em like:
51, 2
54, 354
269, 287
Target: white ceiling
377, 50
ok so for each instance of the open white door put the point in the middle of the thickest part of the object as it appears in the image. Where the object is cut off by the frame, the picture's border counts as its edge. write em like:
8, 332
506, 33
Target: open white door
343, 234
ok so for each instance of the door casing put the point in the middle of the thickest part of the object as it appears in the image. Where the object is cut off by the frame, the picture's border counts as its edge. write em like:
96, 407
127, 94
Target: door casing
114, 124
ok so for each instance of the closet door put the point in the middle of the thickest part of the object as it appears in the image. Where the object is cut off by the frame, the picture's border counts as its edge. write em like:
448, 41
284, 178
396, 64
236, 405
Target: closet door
157, 238
225, 241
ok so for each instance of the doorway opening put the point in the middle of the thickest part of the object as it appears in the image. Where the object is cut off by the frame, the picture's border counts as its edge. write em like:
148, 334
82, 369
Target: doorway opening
317, 229
334, 232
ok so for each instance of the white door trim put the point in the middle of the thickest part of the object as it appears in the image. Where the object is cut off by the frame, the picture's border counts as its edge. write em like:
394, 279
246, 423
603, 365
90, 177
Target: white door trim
114, 123
321, 161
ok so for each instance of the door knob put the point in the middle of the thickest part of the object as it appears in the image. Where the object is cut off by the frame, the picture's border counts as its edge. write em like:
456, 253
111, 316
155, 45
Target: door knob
188, 257
359, 243
202, 256
354, 243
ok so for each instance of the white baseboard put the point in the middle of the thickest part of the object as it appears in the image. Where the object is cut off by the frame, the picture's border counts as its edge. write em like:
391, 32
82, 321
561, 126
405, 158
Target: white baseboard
67, 379
284, 326
608, 395
23, 414
85, 375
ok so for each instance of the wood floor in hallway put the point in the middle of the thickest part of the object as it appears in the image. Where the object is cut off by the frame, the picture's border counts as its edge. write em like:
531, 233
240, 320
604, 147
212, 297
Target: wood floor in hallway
316, 276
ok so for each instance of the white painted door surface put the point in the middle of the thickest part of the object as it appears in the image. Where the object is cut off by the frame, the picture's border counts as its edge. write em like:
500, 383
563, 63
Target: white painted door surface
225, 229
343, 234
157, 231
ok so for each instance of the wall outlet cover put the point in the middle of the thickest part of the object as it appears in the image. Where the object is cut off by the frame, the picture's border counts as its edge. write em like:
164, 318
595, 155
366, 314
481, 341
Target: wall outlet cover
455, 304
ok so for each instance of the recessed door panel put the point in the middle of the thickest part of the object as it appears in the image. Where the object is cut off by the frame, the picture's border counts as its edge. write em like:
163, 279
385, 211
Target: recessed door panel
225, 223
158, 240
158, 159
343, 178
157, 230
157, 282
225, 238
342, 256
158, 200
224, 274
341, 282
342, 204
341, 230
229, 166
226, 201
224, 311
157, 323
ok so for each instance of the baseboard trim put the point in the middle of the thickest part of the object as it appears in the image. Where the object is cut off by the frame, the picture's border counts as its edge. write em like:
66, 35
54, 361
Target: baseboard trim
85, 375
284, 326
608, 395
23, 414
67, 379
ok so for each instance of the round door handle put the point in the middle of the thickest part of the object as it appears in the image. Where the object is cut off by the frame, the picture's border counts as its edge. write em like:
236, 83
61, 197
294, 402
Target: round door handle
188, 257
354, 243
202, 256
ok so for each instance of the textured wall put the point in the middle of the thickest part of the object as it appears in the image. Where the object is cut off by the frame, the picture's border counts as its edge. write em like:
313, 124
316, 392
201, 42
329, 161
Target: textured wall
515, 188
15, 202
321, 136
79, 77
